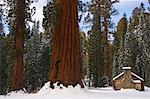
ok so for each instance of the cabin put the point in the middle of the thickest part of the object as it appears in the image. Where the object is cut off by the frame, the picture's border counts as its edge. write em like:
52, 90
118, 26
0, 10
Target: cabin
128, 80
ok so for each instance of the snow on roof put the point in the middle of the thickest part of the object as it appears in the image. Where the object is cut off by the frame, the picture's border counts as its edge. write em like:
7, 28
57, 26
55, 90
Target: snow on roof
118, 76
137, 76
136, 81
126, 68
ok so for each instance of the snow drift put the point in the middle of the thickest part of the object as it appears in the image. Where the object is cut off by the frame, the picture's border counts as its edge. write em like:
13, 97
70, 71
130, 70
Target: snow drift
61, 92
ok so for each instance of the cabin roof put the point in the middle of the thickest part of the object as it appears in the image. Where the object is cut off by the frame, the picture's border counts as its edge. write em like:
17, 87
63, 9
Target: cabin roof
133, 74
118, 76
136, 81
137, 76
126, 68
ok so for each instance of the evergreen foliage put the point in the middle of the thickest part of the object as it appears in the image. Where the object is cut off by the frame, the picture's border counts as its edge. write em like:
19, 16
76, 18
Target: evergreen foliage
95, 48
37, 60
50, 12
2, 57
99, 46
6, 57
32, 54
118, 46
134, 47
84, 54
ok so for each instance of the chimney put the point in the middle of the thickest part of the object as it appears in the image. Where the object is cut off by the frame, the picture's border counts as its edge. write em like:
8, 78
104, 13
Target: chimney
127, 82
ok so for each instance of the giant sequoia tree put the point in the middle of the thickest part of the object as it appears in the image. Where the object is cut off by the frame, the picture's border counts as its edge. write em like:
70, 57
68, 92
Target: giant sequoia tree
65, 62
19, 30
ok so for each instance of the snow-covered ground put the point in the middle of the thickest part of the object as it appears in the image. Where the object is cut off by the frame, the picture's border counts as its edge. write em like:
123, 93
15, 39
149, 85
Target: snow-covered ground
78, 93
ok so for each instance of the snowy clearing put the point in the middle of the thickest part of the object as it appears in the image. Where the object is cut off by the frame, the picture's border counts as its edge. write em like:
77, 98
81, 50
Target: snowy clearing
78, 93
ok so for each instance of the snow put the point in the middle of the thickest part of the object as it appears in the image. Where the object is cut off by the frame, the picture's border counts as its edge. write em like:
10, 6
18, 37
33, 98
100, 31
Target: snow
18, 93
136, 81
131, 74
77, 90
79, 93
126, 68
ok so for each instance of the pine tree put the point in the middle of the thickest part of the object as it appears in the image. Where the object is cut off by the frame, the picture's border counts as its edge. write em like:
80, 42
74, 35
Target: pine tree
45, 60
99, 56
65, 61
136, 45
6, 57
107, 12
32, 59
84, 54
96, 46
50, 12
18, 13
3, 63
1, 22
118, 46
142, 37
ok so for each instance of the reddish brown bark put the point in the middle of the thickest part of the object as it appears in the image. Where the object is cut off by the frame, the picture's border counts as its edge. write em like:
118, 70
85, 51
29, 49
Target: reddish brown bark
17, 78
65, 62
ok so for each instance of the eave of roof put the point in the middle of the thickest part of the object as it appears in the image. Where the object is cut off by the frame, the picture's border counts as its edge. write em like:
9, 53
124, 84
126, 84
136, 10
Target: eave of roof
118, 76
137, 76
131, 74
124, 68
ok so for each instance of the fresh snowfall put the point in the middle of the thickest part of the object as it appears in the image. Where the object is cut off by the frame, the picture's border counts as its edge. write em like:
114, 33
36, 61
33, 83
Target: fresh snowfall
77, 92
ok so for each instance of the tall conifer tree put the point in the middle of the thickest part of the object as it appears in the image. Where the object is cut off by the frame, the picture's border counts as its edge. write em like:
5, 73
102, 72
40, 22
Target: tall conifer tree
65, 62
19, 30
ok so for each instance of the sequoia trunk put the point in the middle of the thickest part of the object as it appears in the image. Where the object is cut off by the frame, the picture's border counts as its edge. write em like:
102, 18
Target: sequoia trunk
65, 61
17, 78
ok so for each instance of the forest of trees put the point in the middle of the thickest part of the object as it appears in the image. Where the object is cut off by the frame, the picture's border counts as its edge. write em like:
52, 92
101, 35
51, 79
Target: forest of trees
62, 52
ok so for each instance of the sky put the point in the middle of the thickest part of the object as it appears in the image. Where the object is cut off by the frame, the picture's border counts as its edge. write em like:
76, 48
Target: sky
123, 6
127, 6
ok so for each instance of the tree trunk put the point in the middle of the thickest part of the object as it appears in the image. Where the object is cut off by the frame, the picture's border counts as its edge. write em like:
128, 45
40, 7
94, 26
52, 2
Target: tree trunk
97, 46
65, 61
106, 45
17, 78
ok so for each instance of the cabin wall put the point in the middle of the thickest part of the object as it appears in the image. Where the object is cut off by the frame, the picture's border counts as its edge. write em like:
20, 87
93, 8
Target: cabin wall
118, 83
137, 86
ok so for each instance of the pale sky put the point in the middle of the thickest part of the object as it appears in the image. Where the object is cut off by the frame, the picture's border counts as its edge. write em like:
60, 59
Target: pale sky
127, 6
123, 6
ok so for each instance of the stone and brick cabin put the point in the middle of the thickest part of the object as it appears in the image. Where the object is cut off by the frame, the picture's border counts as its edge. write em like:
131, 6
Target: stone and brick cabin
128, 80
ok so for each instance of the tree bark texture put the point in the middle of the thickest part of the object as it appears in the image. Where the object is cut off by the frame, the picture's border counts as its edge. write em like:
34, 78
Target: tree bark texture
17, 77
65, 62
97, 46
105, 39
106, 52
